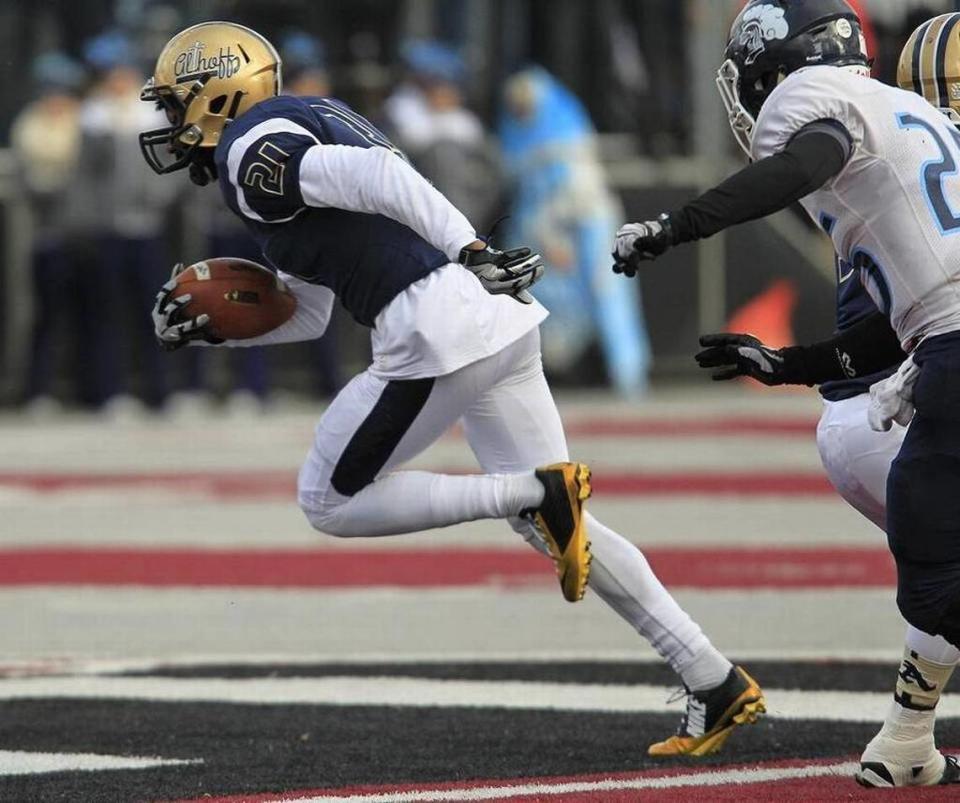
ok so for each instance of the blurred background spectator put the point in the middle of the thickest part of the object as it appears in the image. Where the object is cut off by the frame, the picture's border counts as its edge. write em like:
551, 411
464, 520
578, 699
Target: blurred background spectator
305, 74
45, 138
117, 203
304, 65
563, 209
427, 117
620, 121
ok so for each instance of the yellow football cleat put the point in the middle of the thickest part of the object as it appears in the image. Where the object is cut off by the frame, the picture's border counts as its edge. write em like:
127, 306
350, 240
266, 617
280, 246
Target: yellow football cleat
560, 519
713, 714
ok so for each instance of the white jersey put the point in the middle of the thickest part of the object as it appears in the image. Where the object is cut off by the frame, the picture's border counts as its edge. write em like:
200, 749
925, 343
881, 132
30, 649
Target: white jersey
893, 212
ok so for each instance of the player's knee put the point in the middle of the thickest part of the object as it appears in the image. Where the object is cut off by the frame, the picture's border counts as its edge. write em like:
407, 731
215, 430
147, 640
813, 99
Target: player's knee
915, 609
323, 512
950, 622
929, 597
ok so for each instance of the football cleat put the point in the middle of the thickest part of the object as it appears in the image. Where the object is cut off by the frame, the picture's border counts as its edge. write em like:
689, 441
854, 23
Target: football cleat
560, 519
939, 770
712, 715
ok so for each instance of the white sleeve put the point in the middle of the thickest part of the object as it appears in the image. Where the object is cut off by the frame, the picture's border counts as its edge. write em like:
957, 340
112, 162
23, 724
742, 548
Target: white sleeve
378, 181
309, 321
812, 94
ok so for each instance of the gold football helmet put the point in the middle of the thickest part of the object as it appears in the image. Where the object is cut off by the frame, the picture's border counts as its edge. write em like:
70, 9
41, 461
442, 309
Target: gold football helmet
930, 64
206, 76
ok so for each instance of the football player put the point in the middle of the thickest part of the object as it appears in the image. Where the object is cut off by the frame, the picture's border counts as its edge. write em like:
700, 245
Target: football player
340, 213
867, 162
856, 455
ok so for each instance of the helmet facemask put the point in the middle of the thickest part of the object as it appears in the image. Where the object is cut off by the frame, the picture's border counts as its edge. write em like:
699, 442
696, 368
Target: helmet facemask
742, 111
180, 140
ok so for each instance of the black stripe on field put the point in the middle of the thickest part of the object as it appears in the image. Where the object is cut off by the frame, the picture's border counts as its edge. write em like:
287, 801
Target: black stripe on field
279, 748
801, 675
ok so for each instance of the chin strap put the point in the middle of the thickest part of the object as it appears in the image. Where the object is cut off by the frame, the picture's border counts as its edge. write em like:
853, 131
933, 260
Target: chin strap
203, 170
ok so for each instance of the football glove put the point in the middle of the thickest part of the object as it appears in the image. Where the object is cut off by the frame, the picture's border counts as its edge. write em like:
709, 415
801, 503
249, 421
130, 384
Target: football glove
741, 355
172, 328
510, 272
891, 399
639, 242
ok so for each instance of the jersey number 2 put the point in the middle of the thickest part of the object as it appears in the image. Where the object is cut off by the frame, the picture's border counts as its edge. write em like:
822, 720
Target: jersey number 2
934, 172
268, 174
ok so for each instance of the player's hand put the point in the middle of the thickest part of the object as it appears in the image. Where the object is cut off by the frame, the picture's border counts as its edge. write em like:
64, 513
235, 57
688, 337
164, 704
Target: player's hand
741, 355
640, 242
510, 272
172, 328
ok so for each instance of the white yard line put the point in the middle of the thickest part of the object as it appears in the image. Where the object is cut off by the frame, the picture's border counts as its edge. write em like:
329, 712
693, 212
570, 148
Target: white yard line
835, 706
66, 665
698, 779
20, 762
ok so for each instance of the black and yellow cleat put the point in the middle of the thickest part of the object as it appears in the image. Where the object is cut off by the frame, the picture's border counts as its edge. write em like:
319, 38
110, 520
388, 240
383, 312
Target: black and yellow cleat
560, 519
712, 715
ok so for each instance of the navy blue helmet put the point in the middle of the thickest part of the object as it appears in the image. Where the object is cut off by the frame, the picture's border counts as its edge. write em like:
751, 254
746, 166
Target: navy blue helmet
770, 39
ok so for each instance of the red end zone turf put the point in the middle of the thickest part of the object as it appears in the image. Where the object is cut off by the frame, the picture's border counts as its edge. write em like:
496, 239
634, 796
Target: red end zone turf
788, 780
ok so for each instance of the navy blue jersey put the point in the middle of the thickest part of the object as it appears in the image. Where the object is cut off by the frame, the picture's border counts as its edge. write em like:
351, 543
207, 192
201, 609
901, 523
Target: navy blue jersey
365, 259
853, 305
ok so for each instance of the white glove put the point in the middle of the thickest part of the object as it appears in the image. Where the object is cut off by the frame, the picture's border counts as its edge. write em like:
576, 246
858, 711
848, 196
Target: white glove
172, 329
510, 272
639, 242
891, 399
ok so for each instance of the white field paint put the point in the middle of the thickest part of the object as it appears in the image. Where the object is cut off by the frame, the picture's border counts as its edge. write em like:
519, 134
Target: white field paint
19, 762
423, 692
66, 665
695, 779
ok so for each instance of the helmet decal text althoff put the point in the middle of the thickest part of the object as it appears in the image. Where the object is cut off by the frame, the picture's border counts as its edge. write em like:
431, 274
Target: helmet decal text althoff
192, 63
760, 25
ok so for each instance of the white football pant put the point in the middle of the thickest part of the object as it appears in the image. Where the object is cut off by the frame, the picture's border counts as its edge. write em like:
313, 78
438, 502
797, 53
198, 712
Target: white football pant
512, 425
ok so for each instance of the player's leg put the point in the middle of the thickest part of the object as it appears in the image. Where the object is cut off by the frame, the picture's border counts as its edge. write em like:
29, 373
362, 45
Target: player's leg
922, 522
346, 487
514, 426
857, 460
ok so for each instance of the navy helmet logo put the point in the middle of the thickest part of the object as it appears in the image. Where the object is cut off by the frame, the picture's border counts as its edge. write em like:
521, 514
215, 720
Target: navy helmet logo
760, 25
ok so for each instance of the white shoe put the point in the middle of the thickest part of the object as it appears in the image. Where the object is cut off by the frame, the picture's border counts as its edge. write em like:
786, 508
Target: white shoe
244, 404
890, 762
188, 405
123, 408
42, 408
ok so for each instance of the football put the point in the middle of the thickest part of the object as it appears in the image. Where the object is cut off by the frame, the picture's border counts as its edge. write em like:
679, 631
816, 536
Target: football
242, 298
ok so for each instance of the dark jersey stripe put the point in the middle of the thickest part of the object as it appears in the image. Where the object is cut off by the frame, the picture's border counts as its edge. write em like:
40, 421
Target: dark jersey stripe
915, 58
940, 65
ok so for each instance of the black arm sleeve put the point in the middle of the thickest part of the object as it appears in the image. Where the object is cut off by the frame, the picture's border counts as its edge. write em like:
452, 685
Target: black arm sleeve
865, 348
817, 153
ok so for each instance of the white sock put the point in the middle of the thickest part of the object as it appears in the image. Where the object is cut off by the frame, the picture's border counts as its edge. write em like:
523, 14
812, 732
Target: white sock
408, 501
905, 738
933, 648
621, 576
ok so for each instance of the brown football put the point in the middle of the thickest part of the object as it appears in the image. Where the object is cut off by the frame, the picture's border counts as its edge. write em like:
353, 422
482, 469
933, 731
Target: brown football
242, 298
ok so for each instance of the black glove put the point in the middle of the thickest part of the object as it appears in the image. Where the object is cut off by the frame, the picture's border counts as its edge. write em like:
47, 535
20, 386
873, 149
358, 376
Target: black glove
172, 328
639, 242
510, 272
742, 355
